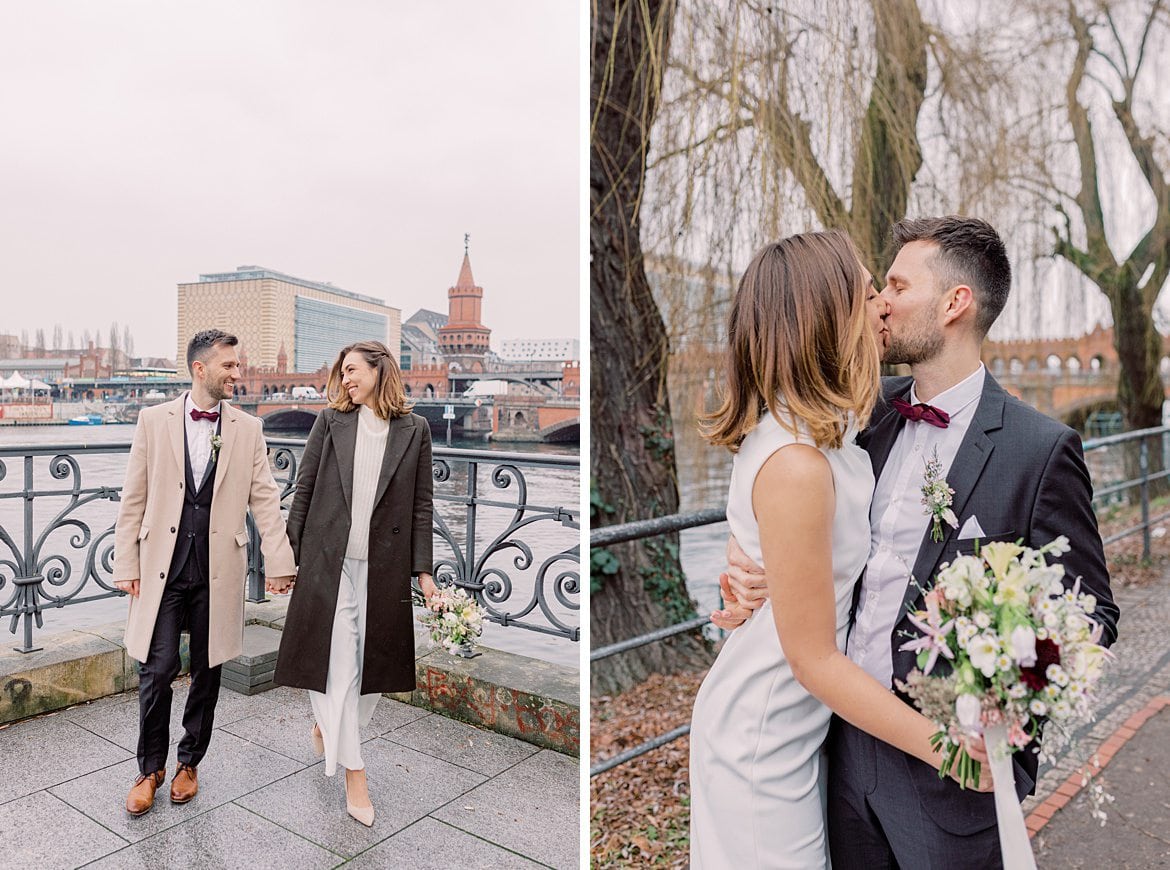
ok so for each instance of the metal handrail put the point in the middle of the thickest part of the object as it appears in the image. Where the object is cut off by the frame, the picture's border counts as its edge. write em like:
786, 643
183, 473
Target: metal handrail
42, 579
638, 529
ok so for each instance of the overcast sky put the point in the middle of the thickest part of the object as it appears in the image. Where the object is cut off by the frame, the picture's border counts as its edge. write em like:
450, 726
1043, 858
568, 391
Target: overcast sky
143, 142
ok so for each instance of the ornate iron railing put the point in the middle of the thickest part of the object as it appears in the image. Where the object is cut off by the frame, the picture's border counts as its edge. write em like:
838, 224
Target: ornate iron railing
66, 560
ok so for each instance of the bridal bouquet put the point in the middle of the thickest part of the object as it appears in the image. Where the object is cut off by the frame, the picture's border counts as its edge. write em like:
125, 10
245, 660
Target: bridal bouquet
1022, 649
455, 620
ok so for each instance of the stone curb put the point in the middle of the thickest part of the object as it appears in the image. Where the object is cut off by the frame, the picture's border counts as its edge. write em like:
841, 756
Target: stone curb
522, 697
1071, 787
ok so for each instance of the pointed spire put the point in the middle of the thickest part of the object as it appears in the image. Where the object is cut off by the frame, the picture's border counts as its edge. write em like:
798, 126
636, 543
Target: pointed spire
465, 282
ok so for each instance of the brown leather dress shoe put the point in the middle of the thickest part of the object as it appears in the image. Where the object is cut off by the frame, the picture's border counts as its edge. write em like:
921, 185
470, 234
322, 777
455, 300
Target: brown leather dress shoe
185, 784
141, 797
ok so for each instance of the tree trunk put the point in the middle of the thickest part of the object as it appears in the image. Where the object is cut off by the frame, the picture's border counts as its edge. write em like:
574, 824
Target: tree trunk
889, 155
639, 586
1139, 385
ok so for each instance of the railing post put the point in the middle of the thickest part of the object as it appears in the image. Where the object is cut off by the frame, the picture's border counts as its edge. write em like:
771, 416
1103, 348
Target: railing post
472, 505
1144, 458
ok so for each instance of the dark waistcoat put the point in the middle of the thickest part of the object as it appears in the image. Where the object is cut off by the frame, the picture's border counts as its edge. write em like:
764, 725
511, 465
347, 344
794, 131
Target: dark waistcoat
195, 521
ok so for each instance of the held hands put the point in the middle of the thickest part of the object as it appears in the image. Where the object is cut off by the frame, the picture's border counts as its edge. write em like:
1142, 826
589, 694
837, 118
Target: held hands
279, 585
130, 587
743, 586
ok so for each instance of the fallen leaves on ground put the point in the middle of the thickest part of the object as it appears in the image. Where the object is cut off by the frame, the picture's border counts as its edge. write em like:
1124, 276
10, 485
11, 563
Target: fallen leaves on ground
640, 812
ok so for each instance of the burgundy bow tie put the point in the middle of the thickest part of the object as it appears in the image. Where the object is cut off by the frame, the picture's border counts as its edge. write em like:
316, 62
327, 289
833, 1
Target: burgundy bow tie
922, 413
196, 414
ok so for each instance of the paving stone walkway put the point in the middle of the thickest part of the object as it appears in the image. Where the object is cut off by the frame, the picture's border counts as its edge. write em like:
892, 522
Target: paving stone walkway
1136, 834
446, 794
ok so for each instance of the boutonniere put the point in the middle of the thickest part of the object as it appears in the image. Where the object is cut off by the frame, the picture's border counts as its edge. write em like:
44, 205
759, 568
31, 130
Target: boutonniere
937, 498
216, 443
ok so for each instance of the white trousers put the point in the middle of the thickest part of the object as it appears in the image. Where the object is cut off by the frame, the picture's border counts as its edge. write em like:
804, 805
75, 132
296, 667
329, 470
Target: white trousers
342, 710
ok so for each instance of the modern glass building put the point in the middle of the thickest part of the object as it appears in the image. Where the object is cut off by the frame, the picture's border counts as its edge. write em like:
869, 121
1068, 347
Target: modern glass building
270, 311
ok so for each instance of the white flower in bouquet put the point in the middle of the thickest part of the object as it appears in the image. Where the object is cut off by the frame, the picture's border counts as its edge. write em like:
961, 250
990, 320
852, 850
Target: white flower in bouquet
969, 711
1023, 643
983, 650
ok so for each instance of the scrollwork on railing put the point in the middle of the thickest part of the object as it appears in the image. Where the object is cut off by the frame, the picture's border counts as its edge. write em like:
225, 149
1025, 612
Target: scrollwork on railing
522, 576
492, 583
41, 570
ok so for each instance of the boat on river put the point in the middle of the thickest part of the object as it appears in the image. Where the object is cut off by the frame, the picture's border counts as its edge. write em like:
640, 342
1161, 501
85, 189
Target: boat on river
86, 420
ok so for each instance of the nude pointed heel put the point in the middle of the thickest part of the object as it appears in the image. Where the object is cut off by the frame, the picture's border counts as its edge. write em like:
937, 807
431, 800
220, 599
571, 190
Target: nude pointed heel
318, 741
365, 815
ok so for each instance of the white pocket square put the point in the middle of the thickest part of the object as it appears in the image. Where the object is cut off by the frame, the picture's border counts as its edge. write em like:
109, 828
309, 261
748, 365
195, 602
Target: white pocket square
971, 529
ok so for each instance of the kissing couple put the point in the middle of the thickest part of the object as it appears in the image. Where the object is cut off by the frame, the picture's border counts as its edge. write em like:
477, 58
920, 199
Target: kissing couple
803, 752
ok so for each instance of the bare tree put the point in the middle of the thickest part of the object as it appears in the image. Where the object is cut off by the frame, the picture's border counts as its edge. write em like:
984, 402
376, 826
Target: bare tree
115, 341
58, 336
40, 341
127, 342
72, 341
638, 586
1110, 60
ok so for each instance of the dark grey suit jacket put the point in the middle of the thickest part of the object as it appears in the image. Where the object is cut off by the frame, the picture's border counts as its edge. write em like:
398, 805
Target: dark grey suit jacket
1024, 476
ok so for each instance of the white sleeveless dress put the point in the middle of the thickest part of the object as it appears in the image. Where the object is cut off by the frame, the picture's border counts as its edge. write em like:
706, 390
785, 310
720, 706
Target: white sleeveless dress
756, 769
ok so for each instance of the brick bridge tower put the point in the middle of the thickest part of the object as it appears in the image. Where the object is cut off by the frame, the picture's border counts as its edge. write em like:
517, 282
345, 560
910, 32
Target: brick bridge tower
465, 340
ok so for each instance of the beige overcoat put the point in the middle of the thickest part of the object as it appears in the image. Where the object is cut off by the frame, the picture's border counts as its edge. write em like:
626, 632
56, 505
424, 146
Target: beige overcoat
152, 502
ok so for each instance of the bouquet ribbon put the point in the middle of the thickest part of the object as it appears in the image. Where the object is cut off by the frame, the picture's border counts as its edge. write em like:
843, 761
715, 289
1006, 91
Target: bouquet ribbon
1014, 844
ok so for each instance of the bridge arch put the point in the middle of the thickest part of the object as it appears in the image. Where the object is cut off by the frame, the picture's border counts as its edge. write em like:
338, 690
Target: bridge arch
1054, 363
295, 420
1073, 364
564, 431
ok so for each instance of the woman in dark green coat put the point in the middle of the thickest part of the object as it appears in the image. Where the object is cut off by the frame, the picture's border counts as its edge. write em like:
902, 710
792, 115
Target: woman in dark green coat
360, 526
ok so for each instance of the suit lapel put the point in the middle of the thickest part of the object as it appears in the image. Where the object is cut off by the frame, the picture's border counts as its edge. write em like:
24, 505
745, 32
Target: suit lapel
398, 439
963, 477
213, 460
227, 433
881, 435
177, 432
343, 434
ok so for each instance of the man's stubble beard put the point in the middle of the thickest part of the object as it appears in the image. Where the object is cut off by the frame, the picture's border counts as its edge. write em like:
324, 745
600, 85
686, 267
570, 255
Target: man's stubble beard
919, 346
217, 392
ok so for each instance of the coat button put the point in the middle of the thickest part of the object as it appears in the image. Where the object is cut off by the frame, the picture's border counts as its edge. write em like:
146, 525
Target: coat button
180, 486
162, 575
395, 530
172, 530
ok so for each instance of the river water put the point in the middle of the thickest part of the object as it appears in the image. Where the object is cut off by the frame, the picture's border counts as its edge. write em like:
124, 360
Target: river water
547, 487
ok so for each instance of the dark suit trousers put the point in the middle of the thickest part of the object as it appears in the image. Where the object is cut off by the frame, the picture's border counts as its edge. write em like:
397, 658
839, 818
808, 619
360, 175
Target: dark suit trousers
186, 601
876, 815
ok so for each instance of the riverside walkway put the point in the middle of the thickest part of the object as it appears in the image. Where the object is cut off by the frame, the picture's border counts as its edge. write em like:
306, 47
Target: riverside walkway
446, 793
1132, 739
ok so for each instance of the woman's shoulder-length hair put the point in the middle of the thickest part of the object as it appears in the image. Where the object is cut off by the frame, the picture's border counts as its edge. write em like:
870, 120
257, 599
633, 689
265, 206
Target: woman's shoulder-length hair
389, 397
799, 344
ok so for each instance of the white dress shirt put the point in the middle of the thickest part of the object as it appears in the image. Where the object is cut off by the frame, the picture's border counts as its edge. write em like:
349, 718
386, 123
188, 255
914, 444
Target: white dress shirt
898, 523
199, 434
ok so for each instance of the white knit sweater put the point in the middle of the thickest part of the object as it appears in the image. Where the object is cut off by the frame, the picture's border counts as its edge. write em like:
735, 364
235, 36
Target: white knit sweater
367, 467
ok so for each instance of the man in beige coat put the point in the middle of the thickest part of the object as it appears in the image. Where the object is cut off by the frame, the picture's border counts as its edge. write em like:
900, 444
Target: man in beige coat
197, 464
